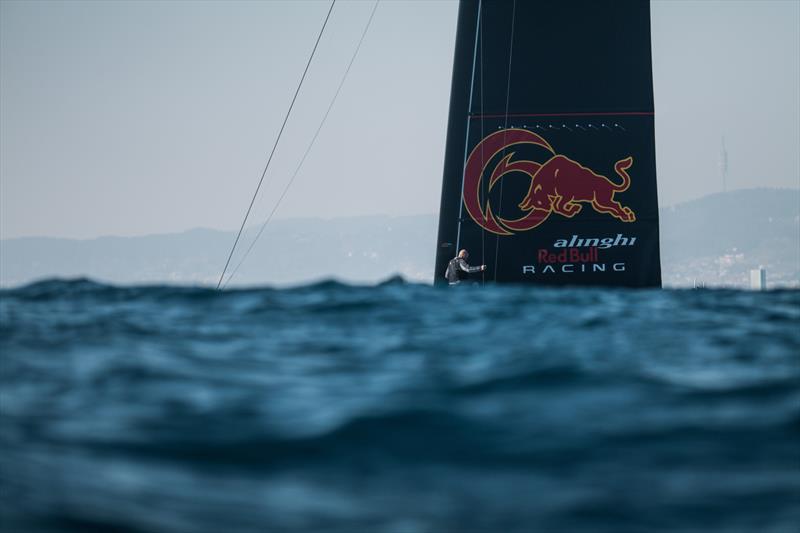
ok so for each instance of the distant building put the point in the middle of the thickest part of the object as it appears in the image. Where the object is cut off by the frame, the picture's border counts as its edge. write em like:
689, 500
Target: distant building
758, 279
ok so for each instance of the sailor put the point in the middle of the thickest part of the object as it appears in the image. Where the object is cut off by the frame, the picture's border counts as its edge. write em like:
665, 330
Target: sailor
458, 268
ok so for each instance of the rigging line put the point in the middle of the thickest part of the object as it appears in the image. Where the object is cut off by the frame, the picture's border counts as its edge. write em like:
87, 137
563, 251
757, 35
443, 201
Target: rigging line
308, 149
466, 133
505, 126
483, 162
274, 146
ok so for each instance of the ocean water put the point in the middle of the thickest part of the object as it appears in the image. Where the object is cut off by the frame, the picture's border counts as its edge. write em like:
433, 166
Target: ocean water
398, 408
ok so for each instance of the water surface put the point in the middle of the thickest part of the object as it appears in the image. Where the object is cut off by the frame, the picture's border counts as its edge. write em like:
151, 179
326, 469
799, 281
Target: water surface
398, 408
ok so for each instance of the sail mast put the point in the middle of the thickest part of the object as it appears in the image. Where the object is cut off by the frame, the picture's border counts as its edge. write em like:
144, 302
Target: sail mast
452, 183
467, 119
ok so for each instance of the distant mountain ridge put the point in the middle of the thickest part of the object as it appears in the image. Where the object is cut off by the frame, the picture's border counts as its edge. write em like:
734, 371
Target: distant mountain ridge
359, 249
716, 240
713, 241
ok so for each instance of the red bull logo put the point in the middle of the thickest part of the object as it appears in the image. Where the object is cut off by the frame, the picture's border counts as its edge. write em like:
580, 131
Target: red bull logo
559, 185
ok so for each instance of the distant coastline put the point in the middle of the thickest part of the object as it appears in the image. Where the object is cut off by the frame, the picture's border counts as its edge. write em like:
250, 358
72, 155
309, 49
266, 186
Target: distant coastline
712, 241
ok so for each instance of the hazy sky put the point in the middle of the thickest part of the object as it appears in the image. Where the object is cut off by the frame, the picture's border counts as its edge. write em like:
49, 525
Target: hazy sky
129, 118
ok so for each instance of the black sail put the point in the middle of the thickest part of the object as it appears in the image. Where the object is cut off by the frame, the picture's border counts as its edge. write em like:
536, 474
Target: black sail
550, 174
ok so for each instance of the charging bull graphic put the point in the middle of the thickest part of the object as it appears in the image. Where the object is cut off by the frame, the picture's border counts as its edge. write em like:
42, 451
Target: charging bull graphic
559, 185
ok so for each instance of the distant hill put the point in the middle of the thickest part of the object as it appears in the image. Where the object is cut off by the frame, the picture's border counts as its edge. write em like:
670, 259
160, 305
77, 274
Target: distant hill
717, 239
360, 249
714, 241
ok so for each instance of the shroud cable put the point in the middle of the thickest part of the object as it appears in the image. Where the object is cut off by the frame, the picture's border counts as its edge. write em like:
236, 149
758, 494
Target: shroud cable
308, 149
277, 140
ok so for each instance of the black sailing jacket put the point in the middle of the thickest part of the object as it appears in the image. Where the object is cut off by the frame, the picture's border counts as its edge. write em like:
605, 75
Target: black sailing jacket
457, 269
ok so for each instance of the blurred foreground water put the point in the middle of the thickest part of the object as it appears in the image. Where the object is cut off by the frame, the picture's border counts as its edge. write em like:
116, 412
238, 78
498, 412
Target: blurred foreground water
398, 408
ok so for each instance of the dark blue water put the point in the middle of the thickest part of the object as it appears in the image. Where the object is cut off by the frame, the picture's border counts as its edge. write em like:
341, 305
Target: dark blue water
398, 408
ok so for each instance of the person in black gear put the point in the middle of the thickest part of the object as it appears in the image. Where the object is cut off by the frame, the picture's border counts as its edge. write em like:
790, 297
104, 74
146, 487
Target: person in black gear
458, 268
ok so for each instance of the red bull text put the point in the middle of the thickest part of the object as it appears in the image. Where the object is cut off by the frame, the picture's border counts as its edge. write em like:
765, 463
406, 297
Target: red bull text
577, 255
